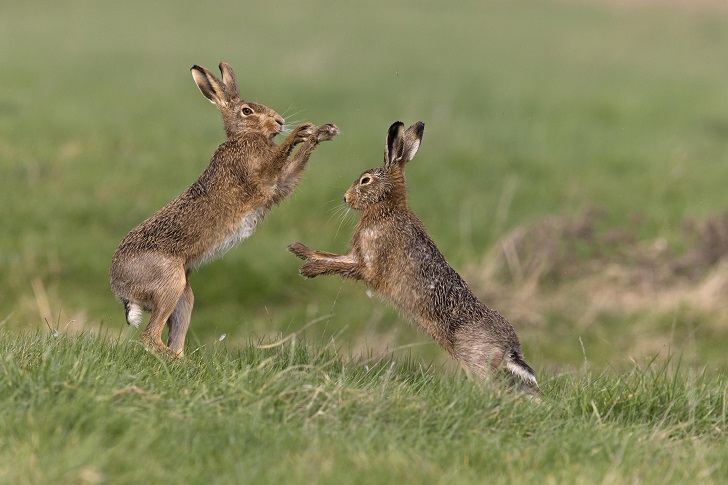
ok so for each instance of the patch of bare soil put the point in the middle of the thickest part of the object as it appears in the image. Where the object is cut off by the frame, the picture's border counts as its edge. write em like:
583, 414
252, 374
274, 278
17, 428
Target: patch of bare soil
568, 261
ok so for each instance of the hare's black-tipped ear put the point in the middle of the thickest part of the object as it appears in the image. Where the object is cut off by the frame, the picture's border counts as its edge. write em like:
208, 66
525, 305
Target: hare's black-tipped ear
393, 149
412, 140
210, 86
228, 79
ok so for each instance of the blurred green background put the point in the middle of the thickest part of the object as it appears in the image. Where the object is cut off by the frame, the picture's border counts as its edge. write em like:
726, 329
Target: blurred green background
531, 108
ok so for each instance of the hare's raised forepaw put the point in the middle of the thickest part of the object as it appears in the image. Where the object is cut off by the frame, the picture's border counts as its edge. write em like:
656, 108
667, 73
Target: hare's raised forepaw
299, 250
312, 269
303, 132
326, 132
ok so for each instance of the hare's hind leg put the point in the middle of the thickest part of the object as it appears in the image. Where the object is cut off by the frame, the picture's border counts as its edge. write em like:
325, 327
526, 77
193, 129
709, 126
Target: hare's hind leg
179, 321
164, 300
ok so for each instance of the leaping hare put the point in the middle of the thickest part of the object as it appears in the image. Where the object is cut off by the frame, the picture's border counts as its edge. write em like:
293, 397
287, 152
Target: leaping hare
393, 254
246, 176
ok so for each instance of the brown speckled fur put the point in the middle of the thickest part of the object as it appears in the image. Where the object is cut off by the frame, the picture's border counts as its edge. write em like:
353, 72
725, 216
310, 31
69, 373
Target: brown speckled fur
246, 176
393, 254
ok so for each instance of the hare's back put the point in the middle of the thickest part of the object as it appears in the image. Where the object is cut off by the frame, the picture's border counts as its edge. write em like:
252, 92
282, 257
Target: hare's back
416, 265
430, 280
187, 226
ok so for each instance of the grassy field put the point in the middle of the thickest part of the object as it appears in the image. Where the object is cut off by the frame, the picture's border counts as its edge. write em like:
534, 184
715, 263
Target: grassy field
87, 410
572, 170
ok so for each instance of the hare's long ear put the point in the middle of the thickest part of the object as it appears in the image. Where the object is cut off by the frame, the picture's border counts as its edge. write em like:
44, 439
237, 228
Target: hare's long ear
412, 140
228, 78
393, 148
210, 86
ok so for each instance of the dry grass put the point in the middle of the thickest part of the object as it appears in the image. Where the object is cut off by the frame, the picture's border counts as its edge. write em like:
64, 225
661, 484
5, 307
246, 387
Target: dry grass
571, 266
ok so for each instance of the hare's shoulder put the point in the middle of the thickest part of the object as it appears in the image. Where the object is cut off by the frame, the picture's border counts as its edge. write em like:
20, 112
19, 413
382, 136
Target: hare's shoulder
417, 236
426, 256
404, 237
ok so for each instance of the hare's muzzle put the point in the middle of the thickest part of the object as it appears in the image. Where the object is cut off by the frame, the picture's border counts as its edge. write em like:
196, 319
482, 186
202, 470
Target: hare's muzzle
348, 199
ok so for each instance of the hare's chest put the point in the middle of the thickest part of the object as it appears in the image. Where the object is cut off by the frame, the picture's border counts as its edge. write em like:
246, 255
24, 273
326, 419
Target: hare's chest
376, 253
242, 229
369, 246
245, 228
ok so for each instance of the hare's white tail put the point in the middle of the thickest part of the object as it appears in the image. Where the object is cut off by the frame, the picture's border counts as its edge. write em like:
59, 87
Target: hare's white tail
521, 373
134, 313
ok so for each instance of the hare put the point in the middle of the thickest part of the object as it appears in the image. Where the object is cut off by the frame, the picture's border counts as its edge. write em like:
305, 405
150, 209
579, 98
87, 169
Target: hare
246, 176
393, 254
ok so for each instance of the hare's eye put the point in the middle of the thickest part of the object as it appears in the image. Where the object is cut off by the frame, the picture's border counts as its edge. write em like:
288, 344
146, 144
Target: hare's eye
365, 180
247, 111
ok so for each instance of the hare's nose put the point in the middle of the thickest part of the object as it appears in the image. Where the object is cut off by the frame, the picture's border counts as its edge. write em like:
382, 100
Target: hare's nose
280, 121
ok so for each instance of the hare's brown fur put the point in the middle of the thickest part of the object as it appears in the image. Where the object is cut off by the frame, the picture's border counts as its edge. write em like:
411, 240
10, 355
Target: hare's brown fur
246, 176
393, 254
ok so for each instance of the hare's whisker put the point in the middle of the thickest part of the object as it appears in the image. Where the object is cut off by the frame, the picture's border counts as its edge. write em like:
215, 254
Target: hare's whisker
337, 211
335, 208
343, 218
333, 201
286, 113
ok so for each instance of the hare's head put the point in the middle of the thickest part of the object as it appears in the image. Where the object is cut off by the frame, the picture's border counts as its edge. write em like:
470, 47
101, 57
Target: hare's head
387, 183
238, 116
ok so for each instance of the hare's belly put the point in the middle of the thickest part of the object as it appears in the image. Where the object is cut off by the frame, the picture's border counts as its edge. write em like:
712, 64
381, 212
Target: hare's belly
244, 229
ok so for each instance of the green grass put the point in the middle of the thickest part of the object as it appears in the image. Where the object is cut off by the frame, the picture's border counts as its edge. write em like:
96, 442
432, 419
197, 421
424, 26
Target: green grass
82, 409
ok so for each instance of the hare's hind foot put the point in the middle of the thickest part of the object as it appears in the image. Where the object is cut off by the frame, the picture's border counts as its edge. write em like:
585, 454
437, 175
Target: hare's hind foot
156, 346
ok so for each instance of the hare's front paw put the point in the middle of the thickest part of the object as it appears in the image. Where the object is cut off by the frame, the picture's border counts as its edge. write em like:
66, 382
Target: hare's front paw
312, 269
326, 132
303, 132
299, 250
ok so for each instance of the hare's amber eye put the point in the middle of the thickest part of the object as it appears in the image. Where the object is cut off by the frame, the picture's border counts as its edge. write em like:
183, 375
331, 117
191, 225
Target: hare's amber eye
365, 180
247, 111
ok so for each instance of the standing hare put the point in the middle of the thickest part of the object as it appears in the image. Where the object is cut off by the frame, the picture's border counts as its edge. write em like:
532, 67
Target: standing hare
246, 176
392, 253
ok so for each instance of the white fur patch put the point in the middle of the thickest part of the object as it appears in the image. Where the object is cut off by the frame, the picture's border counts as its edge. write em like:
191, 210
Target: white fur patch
521, 372
134, 314
246, 227
371, 233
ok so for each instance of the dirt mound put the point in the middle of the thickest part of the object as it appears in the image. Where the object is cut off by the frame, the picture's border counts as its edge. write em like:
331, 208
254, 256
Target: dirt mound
535, 268
564, 247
